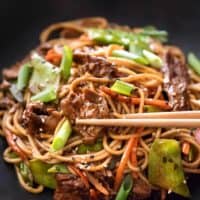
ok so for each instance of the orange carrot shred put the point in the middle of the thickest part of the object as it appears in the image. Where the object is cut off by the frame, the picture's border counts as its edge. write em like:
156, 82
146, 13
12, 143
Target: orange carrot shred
132, 143
82, 176
135, 100
53, 57
185, 148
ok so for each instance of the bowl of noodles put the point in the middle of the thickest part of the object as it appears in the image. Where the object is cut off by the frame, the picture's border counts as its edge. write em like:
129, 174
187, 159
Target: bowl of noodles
93, 69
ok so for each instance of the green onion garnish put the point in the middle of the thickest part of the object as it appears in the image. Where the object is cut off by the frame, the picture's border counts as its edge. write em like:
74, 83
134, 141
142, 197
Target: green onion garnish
45, 96
125, 188
61, 136
66, 62
130, 56
154, 60
24, 76
194, 62
122, 87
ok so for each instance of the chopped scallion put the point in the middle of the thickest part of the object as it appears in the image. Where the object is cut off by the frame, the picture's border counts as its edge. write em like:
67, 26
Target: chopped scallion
61, 136
154, 60
122, 87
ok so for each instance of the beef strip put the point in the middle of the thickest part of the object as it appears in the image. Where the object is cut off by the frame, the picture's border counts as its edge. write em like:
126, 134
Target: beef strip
87, 104
37, 118
141, 190
70, 187
176, 80
94, 65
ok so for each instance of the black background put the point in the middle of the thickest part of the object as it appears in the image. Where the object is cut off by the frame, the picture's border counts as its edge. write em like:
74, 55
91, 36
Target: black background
22, 20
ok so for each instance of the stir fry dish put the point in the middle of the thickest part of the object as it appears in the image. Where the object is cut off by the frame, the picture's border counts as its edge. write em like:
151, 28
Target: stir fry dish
92, 69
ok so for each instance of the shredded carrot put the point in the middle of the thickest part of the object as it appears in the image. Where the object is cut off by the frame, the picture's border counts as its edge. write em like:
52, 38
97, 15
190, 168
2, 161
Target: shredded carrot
93, 194
135, 100
53, 57
185, 148
95, 182
11, 141
134, 157
82, 176
132, 143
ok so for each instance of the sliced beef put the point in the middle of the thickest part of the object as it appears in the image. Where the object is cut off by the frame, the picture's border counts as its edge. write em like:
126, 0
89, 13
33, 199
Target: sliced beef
87, 104
34, 117
176, 80
141, 190
70, 187
37, 117
96, 66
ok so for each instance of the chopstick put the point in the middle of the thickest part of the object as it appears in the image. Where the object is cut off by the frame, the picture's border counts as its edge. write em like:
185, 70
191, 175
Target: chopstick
165, 115
183, 119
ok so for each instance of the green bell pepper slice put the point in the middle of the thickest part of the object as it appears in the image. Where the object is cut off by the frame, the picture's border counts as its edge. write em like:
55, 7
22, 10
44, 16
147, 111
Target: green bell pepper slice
40, 174
165, 166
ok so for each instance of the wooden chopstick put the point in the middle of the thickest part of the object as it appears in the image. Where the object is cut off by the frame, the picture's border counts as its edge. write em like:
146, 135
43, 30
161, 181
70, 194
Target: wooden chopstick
164, 115
142, 122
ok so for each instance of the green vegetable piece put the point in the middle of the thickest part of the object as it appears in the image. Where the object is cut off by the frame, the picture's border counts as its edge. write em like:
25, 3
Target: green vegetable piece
45, 96
26, 173
44, 75
165, 166
125, 188
58, 168
153, 59
17, 94
12, 154
24, 76
40, 174
122, 87
148, 108
66, 62
61, 136
84, 148
130, 56
154, 33
138, 46
194, 63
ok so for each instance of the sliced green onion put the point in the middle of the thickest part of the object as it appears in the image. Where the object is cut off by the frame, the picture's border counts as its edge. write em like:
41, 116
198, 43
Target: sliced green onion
17, 94
40, 174
122, 87
194, 63
125, 188
154, 33
45, 96
66, 62
154, 60
137, 46
58, 168
24, 76
130, 56
61, 136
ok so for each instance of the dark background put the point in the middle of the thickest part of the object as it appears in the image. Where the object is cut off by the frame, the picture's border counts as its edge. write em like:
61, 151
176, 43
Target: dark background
21, 21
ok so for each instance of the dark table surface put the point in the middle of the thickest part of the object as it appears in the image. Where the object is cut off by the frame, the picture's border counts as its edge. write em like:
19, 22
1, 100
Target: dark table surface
22, 21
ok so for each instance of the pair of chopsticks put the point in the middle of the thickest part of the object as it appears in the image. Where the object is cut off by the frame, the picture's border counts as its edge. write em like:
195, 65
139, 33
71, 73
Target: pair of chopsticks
182, 119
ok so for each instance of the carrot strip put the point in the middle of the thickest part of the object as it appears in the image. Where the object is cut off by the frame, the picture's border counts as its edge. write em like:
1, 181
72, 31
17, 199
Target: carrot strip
132, 143
82, 176
186, 148
135, 100
11, 142
134, 156
53, 57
